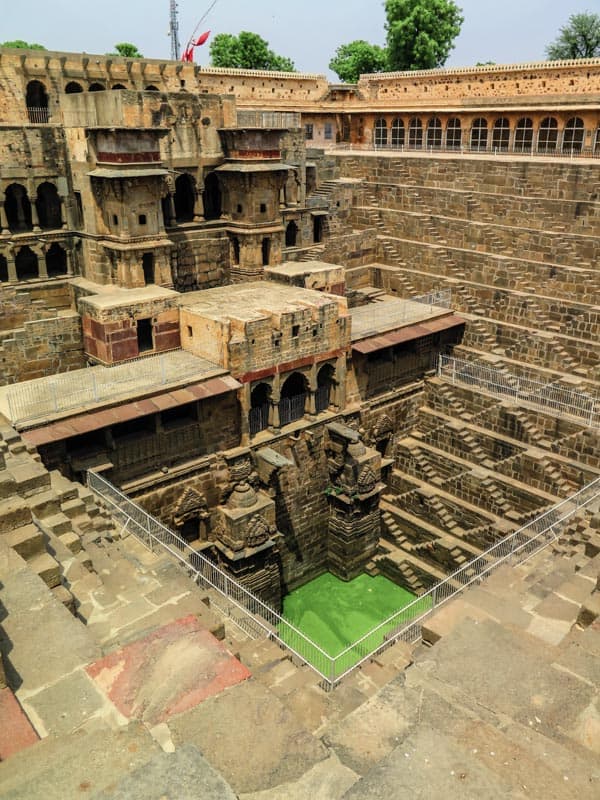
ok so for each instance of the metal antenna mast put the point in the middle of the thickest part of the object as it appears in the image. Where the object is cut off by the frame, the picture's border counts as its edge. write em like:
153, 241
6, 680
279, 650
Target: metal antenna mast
174, 30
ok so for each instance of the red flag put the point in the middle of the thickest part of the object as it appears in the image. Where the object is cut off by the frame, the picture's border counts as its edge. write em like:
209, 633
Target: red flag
202, 39
188, 55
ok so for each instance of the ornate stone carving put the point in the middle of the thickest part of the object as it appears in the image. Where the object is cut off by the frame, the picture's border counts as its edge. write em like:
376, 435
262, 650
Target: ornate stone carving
382, 428
191, 503
258, 531
367, 480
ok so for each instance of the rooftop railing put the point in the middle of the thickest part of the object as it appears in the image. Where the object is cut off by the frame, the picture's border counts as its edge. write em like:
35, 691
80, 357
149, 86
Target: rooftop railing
268, 119
553, 398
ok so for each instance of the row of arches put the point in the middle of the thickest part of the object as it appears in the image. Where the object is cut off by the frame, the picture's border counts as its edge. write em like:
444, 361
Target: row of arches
483, 134
21, 214
294, 399
28, 264
37, 100
73, 87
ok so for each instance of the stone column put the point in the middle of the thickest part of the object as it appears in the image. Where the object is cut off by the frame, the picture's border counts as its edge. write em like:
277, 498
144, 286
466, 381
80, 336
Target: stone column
11, 267
312, 392
274, 421
35, 220
69, 254
244, 400
198, 207
41, 254
3, 220
171, 220
65, 222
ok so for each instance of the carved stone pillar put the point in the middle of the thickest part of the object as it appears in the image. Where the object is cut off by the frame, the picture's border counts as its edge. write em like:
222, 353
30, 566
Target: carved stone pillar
11, 267
3, 220
198, 207
69, 254
42, 267
35, 220
171, 220
65, 222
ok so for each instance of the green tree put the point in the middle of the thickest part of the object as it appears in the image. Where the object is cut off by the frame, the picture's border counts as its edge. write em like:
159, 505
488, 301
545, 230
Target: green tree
579, 38
357, 58
127, 50
421, 33
23, 45
246, 51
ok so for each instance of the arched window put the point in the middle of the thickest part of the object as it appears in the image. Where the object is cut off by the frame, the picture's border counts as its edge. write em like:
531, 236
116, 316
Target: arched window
3, 269
415, 133
479, 134
56, 261
96, 87
26, 264
293, 398
324, 388
260, 404
453, 134
48, 206
291, 234
501, 134
524, 134
397, 132
17, 208
548, 135
434, 132
212, 197
36, 100
152, 88
573, 135
597, 142
118, 86
73, 88
185, 196
380, 133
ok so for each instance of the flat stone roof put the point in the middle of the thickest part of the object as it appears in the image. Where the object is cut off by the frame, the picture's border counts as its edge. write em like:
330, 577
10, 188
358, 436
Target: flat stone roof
376, 318
255, 300
107, 172
302, 267
253, 166
44, 400
116, 297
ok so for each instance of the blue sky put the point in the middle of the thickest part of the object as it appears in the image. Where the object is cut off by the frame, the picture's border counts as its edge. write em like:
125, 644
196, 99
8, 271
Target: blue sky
308, 31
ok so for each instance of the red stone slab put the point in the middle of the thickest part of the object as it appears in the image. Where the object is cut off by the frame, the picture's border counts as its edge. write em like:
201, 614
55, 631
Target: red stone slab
169, 671
16, 732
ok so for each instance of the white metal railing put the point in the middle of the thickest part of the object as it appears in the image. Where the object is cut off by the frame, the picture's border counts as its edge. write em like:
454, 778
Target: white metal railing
268, 119
516, 548
442, 298
560, 151
40, 397
248, 611
553, 398
232, 599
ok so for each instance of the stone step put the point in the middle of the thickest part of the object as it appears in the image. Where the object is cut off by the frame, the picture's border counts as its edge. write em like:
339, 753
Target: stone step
46, 568
27, 541
45, 504
73, 508
30, 477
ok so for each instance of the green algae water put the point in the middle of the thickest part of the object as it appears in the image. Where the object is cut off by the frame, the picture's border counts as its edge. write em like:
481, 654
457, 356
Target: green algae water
335, 614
